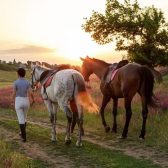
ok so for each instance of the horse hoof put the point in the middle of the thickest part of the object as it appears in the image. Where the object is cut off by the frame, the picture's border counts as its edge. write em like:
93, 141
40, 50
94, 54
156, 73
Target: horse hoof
53, 140
113, 131
122, 137
141, 137
107, 129
78, 144
68, 142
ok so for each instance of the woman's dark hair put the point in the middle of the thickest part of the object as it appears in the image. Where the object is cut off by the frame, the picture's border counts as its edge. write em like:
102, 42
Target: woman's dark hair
21, 72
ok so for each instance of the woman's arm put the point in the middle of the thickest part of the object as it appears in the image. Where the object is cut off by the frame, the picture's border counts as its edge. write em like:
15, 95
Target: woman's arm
31, 96
14, 95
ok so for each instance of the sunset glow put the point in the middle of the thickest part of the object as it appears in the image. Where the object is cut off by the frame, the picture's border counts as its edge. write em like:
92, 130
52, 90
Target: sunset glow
51, 30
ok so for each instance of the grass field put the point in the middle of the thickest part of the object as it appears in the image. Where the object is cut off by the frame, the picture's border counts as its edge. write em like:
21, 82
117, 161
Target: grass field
99, 149
10, 157
8, 77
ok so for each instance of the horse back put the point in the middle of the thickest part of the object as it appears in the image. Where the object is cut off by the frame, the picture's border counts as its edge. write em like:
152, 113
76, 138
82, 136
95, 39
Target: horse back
64, 78
62, 86
126, 81
65, 74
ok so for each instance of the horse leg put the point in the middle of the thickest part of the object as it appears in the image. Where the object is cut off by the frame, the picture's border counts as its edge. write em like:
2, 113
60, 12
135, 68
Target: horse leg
80, 125
74, 118
144, 116
104, 103
68, 129
128, 117
74, 112
80, 131
52, 108
115, 104
53, 121
75, 115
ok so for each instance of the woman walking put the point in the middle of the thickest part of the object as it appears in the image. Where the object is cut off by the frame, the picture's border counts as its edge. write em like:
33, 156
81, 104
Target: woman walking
21, 93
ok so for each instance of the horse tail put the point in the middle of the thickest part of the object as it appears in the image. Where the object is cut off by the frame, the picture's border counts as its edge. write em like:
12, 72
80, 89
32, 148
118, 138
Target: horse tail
147, 85
83, 97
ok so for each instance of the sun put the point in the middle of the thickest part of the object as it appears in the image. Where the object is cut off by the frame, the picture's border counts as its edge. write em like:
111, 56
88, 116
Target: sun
73, 48
72, 52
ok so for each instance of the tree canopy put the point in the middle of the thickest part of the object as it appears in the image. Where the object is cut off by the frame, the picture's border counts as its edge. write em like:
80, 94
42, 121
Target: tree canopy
142, 32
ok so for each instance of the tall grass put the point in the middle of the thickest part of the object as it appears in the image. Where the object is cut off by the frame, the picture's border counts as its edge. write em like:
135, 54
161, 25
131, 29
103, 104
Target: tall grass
12, 159
6, 97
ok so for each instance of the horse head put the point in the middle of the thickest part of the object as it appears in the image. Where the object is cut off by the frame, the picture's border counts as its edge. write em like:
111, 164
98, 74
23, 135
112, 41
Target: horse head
86, 69
35, 75
93, 65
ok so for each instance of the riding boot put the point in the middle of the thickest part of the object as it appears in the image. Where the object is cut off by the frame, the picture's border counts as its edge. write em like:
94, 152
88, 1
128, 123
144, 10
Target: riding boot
23, 132
20, 134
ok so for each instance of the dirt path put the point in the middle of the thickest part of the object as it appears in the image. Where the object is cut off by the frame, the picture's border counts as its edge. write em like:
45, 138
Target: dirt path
34, 151
157, 157
136, 151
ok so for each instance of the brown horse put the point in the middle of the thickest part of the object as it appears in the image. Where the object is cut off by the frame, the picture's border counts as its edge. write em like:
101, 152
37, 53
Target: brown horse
130, 79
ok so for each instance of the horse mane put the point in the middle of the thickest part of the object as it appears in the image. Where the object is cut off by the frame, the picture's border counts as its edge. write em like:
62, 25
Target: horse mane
59, 67
100, 61
42, 67
63, 66
67, 66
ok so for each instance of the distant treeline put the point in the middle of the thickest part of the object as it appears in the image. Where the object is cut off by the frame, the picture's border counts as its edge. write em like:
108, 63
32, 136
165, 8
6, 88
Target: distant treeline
13, 65
9, 66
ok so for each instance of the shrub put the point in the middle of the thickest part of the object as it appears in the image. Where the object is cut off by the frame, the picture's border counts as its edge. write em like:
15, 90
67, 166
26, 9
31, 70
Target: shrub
6, 97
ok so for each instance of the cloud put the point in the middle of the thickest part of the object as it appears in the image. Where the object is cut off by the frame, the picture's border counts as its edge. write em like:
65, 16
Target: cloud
30, 49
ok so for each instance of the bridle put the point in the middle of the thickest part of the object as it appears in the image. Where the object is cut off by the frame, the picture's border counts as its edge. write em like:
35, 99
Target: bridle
33, 83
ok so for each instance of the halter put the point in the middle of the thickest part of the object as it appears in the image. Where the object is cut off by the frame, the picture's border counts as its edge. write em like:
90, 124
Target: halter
33, 86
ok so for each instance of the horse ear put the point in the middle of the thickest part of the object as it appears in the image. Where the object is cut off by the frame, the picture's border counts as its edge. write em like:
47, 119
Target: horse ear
89, 57
82, 58
37, 63
32, 65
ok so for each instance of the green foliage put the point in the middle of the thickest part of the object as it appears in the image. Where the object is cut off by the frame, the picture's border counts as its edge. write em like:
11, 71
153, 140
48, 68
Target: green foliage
142, 32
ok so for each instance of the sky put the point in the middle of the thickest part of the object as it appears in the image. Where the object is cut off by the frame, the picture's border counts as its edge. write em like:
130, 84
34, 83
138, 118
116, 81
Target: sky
50, 30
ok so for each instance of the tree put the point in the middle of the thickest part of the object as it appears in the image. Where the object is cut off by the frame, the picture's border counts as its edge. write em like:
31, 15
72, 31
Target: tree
14, 61
142, 32
29, 64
